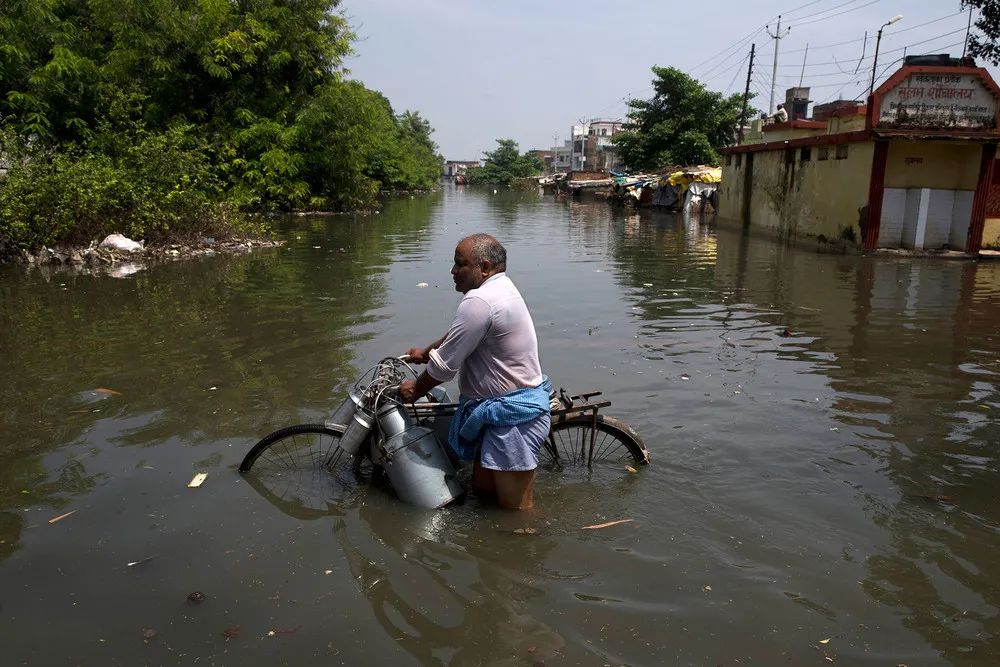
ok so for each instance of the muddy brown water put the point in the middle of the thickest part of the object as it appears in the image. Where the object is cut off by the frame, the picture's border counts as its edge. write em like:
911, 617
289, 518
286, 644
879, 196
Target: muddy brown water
826, 496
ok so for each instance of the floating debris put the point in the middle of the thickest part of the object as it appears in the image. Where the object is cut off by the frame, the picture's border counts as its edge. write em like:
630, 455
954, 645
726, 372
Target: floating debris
422, 285
197, 480
196, 598
606, 525
147, 635
231, 632
62, 516
935, 498
140, 561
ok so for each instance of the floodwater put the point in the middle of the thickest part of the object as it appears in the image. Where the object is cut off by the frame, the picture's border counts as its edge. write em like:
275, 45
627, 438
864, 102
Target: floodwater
823, 432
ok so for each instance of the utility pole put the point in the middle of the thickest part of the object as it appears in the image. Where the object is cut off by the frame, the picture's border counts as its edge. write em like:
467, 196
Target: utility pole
777, 37
802, 76
555, 151
968, 29
746, 94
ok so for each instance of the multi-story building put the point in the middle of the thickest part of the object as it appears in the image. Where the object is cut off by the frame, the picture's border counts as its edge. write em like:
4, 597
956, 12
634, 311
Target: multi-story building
562, 157
592, 147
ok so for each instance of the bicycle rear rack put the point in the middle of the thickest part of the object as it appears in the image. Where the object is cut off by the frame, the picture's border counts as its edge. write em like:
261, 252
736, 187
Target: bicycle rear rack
571, 410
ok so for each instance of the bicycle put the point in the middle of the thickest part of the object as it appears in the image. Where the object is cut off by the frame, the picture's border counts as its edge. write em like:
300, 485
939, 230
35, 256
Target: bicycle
579, 436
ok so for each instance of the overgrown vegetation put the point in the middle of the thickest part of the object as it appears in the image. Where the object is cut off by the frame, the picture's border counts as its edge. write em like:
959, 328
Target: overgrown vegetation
985, 45
683, 124
504, 165
163, 117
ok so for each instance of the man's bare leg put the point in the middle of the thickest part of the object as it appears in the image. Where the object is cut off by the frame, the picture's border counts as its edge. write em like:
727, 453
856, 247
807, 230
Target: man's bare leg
482, 478
515, 489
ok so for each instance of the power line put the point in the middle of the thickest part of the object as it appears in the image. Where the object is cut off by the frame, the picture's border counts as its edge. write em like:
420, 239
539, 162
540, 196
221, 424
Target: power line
738, 72
734, 47
727, 70
746, 40
846, 11
872, 38
866, 74
867, 58
732, 51
808, 4
828, 9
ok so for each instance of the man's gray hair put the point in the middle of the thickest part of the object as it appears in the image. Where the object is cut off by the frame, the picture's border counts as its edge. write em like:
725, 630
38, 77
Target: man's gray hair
486, 248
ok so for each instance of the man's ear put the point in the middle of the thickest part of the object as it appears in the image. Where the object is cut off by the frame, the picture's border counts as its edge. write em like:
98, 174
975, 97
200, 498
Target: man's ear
486, 266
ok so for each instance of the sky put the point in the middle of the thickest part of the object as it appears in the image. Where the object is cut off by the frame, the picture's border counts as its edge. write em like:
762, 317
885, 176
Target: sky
482, 70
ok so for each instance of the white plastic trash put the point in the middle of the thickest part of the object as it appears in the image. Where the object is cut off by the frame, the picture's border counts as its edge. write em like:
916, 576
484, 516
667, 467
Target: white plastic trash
121, 242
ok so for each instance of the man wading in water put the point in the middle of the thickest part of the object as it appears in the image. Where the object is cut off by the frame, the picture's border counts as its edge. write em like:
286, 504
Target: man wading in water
503, 414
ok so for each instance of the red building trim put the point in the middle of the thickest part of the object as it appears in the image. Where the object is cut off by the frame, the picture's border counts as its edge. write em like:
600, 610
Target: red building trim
818, 140
978, 222
795, 125
876, 103
876, 188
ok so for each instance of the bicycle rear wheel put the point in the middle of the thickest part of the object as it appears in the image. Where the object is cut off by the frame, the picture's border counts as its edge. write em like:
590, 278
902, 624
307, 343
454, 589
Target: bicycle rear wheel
585, 442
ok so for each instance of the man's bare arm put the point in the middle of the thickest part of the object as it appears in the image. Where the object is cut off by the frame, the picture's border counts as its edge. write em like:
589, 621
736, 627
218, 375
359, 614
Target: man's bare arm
422, 356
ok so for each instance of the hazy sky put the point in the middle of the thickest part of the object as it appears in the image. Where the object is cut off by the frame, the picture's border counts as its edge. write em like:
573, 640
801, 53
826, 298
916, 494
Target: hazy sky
480, 70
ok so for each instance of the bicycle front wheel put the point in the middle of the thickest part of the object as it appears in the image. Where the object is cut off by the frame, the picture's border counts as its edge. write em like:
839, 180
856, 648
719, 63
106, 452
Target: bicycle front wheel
303, 471
304, 446
585, 442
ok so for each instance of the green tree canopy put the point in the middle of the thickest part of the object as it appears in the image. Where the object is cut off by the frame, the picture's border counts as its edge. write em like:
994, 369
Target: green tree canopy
258, 84
985, 45
683, 124
505, 164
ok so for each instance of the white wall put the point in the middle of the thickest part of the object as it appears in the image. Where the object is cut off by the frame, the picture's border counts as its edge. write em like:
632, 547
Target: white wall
925, 218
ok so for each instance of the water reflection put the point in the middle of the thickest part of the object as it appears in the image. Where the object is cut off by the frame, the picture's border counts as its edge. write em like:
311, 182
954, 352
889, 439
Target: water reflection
822, 428
445, 590
911, 387
204, 350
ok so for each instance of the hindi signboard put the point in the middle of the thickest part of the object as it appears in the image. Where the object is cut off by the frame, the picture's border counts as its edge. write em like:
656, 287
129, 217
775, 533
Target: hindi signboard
957, 101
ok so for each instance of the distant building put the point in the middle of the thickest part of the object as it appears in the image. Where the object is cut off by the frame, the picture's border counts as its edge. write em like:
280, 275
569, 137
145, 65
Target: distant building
562, 157
911, 169
544, 156
592, 148
453, 168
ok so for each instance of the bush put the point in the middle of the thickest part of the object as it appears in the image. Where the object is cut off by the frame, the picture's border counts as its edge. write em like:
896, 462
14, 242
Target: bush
156, 187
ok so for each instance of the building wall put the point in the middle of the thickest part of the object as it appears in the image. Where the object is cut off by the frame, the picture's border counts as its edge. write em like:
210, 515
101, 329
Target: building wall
801, 198
943, 165
852, 123
790, 133
929, 188
991, 234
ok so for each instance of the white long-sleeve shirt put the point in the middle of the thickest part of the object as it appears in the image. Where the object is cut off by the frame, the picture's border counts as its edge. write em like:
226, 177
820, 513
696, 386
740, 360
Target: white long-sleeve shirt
491, 344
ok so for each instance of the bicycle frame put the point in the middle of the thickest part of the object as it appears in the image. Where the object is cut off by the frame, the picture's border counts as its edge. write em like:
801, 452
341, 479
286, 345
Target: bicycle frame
559, 415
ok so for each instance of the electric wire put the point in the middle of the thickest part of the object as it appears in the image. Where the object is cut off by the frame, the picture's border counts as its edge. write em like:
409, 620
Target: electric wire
846, 11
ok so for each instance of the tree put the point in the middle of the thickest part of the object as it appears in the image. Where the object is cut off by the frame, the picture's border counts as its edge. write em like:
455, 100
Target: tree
683, 124
505, 164
985, 46
253, 91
